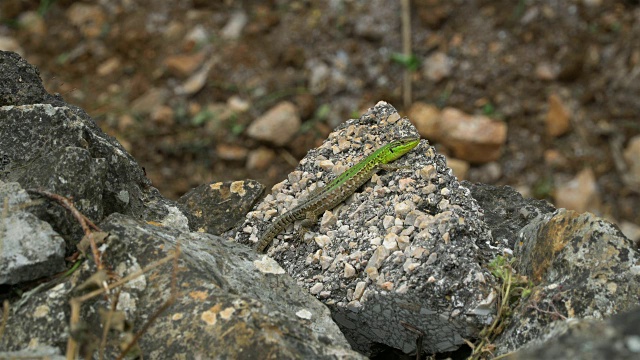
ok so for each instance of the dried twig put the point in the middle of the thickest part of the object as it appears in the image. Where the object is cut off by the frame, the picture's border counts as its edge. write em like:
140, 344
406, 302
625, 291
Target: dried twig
85, 223
76, 302
406, 51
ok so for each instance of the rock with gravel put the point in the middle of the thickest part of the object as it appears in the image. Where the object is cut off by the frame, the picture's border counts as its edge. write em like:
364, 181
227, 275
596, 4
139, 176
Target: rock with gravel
399, 259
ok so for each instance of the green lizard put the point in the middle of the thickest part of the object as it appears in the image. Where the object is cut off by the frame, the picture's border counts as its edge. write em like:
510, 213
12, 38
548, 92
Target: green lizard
339, 189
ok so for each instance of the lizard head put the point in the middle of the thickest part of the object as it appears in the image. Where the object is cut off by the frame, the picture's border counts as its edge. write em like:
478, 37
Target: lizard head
399, 147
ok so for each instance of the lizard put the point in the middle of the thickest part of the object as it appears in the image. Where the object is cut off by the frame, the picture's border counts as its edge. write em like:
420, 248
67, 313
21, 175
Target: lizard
339, 189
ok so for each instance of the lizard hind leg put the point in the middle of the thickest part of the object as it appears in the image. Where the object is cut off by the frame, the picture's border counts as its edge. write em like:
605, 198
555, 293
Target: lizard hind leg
310, 220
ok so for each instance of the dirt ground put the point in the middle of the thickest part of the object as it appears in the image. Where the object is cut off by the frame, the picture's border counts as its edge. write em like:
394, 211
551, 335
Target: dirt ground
123, 60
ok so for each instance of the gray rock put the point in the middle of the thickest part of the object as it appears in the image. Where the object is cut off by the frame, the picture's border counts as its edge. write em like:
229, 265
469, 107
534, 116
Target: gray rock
588, 339
219, 311
29, 88
217, 207
581, 266
403, 254
29, 248
39, 352
506, 212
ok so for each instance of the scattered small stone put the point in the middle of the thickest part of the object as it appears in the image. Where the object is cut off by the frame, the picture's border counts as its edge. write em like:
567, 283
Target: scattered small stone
379, 256
390, 242
231, 152
163, 115
558, 117
580, 193
325, 261
372, 272
387, 285
349, 270
632, 157
149, 101
268, 266
196, 81
437, 67
547, 71
388, 221
326, 164
322, 240
233, 29
184, 64
433, 257
108, 67
360, 286
328, 220
403, 208
428, 172
260, 158
459, 167
426, 118
238, 104
304, 314
278, 125
89, 18
631, 231
555, 159
474, 138
316, 288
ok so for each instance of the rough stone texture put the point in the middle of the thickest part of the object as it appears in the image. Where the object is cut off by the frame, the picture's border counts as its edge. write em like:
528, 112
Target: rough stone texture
49, 145
230, 303
20, 82
406, 251
588, 339
40, 352
29, 248
582, 267
217, 207
33, 137
61, 150
219, 311
506, 212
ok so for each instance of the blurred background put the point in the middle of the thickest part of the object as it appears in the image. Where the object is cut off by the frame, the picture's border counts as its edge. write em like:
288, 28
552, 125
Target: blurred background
541, 95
